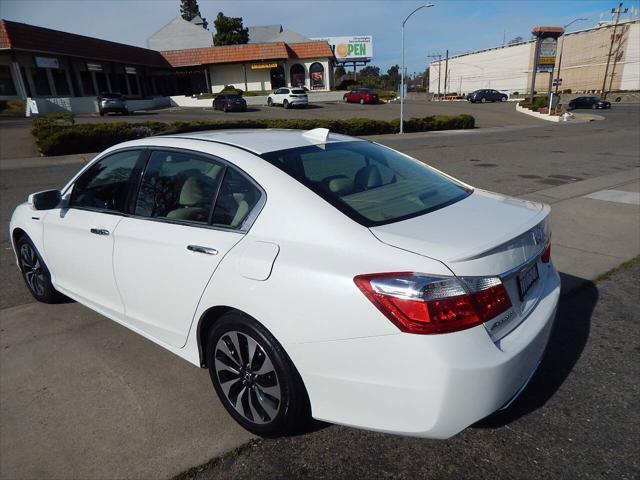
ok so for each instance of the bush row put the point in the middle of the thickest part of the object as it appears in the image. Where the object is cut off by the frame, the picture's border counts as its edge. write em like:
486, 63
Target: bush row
55, 138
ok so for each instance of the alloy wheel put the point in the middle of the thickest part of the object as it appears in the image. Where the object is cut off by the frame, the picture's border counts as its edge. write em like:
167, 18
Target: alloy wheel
32, 268
247, 377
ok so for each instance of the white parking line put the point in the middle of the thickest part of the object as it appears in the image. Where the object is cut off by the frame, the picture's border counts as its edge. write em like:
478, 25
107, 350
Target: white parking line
618, 196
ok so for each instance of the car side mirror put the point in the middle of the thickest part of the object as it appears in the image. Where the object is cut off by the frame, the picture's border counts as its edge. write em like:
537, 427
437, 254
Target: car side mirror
46, 200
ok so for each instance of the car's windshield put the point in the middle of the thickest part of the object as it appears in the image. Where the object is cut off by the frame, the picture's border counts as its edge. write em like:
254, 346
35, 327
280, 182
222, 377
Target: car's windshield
370, 183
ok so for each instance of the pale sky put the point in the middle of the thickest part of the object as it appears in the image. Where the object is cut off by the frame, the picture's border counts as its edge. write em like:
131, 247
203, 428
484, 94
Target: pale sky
457, 25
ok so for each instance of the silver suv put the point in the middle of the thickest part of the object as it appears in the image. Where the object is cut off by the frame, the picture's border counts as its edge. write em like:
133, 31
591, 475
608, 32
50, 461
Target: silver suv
112, 102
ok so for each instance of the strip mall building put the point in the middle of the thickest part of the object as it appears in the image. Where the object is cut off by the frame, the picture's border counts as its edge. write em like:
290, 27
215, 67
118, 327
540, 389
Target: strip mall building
40, 62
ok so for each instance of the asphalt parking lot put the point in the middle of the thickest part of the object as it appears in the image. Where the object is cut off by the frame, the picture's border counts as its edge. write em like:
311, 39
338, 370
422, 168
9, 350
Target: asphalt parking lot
96, 401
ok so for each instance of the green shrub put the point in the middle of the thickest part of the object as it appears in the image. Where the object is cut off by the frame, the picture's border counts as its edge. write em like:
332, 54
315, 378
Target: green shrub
55, 138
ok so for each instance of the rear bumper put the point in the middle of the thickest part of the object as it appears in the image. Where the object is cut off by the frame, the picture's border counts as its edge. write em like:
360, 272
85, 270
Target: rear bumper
298, 101
430, 386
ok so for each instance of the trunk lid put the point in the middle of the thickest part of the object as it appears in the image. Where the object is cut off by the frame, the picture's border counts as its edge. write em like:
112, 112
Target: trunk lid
483, 234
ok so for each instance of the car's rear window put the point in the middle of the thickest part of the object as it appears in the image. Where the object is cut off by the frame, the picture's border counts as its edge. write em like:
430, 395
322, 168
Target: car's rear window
111, 95
370, 183
297, 92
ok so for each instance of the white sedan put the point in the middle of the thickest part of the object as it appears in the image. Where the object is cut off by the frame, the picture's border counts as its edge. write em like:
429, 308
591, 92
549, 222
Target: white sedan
313, 274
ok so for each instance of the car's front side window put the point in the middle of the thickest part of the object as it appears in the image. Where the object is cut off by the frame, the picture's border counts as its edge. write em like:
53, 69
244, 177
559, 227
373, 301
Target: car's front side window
178, 186
104, 186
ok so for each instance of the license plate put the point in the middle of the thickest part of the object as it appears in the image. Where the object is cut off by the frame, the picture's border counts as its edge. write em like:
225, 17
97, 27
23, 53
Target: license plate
527, 279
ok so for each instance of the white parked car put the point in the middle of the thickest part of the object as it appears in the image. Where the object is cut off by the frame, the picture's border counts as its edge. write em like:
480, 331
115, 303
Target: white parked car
289, 97
313, 274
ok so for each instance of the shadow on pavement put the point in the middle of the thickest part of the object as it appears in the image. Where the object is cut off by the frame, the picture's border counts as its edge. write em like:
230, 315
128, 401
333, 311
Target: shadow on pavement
568, 340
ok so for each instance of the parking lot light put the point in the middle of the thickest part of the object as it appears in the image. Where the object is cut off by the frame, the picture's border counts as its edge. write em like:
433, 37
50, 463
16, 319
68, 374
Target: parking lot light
402, 69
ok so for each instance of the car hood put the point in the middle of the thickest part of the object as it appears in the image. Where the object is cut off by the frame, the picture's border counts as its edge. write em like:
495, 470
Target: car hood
483, 234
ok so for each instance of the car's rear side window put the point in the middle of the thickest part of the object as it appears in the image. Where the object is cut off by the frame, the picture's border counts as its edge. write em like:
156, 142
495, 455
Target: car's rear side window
370, 183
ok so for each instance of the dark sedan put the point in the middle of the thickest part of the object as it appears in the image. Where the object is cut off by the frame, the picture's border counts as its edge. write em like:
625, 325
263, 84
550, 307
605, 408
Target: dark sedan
589, 102
230, 102
487, 95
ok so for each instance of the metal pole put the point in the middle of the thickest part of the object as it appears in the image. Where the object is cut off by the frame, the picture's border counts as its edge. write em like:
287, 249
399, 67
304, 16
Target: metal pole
402, 72
439, 69
446, 72
402, 86
562, 48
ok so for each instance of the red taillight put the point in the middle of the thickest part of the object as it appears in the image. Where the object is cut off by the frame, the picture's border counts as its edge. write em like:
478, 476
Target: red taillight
546, 255
424, 304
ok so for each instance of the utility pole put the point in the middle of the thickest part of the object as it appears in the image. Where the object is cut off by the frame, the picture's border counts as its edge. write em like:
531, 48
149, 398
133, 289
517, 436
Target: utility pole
439, 57
617, 12
446, 71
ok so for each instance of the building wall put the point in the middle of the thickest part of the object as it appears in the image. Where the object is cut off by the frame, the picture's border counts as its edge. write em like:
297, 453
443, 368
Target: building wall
260, 79
500, 69
630, 77
583, 64
179, 34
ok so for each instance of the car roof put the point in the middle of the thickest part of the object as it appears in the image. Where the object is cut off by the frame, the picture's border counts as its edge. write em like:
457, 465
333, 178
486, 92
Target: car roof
261, 141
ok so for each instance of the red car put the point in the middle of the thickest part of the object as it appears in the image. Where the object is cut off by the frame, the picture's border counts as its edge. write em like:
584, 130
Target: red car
361, 96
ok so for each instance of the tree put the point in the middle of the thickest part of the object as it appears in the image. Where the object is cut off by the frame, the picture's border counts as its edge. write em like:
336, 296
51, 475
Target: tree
516, 40
340, 71
229, 31
370, 71
189, 10
393, 77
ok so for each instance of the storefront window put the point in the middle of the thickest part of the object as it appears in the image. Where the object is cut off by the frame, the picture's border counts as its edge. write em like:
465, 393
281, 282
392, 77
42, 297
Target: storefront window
40, 81
297, 75
277, 77
133, 84
87, 84
6, 81
101, 80
316, 73
60, 82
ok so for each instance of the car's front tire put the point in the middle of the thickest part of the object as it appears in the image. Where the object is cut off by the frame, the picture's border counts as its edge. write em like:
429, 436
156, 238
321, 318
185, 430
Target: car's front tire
254, 378
269, 102
483, 100
35, 272
503, 99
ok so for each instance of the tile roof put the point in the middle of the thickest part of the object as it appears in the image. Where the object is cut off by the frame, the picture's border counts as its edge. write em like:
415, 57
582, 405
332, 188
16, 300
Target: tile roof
227, 54
20, 36
315, 49
249, 52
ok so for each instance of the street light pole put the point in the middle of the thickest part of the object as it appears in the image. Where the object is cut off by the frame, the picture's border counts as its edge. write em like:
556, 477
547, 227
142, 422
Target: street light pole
562, 48
402, 69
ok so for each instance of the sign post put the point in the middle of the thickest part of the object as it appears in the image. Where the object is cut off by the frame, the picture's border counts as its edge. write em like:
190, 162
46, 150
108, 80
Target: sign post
544, 58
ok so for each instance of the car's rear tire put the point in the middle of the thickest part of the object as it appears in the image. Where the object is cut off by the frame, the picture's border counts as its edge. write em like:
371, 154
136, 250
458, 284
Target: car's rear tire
254, 378
269, 102
362, 101
224, 109
594, 106
35, 272
345, 99
285, 104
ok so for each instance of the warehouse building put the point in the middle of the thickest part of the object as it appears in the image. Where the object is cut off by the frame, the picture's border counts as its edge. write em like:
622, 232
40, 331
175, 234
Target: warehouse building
584, 61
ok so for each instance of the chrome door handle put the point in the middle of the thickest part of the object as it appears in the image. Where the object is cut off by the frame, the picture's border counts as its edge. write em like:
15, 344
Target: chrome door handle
100, 231
200, 249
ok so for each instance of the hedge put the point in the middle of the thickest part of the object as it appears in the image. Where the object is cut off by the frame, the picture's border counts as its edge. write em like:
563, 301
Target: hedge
55, 138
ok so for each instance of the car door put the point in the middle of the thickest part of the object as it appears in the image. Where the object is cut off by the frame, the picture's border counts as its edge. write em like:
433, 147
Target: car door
189, 213
78, 238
